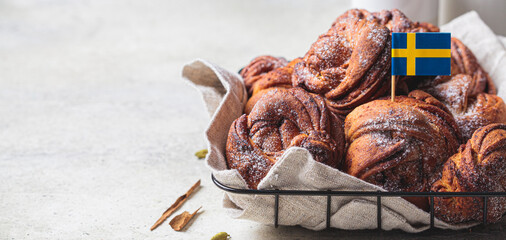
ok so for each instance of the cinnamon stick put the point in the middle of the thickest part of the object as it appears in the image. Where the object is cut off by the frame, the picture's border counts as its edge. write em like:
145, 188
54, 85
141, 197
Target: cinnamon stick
175, 205
180, 221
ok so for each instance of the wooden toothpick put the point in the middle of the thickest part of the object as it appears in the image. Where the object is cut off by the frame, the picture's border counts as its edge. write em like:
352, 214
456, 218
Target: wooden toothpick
393, 88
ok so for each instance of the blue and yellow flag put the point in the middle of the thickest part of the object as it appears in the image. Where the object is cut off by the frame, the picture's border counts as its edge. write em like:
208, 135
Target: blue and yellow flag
421, 54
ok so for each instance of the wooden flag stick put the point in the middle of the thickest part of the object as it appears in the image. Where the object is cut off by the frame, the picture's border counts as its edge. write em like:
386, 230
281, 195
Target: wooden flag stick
393, 88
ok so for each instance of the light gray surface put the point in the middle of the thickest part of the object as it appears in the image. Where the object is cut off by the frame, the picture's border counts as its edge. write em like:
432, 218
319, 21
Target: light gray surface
98, 131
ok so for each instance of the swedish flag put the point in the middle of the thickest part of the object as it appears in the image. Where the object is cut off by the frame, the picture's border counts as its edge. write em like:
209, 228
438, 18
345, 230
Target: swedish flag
421, 54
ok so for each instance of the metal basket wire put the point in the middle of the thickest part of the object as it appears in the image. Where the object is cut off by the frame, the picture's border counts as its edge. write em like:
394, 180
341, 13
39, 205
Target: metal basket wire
377, 194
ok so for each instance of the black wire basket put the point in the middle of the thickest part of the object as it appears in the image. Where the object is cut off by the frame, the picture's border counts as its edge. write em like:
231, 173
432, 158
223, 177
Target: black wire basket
377, 194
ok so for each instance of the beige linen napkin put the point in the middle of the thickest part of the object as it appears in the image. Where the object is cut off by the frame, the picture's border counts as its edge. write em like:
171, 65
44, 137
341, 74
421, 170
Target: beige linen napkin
225, 96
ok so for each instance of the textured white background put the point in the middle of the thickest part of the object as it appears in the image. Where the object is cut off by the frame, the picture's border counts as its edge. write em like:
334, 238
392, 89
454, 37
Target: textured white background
97, 129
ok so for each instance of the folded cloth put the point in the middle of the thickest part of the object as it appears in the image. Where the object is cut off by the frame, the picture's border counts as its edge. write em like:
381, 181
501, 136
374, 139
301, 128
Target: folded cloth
225, 97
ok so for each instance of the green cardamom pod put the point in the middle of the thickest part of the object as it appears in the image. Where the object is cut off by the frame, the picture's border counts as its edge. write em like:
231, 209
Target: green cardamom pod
221, 236
201, 154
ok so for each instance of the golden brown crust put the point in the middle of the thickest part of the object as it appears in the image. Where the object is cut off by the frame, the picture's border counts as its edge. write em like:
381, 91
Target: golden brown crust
277, 78
258, 67
349, 64
479, 166
482, 110
281, 119
471, 108
400, 145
